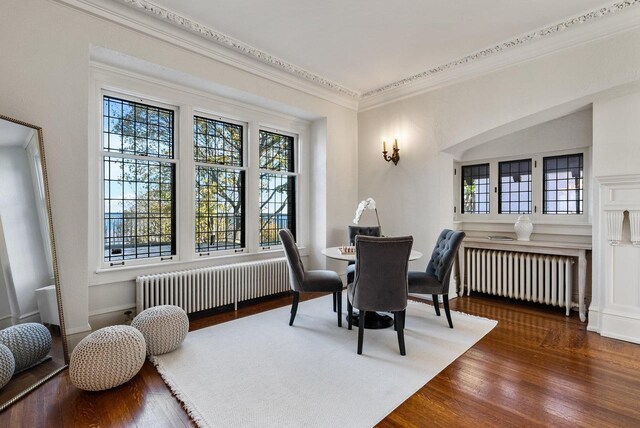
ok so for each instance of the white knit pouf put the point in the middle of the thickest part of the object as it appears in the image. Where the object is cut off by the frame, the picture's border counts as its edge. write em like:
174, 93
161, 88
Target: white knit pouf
29, 343
7, 365
163, 327
107, 358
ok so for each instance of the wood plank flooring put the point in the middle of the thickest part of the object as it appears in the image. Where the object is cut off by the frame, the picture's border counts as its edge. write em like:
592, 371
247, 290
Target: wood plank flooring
536, 368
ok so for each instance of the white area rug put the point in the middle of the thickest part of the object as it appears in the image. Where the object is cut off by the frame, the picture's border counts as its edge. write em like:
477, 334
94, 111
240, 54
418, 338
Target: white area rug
259, 372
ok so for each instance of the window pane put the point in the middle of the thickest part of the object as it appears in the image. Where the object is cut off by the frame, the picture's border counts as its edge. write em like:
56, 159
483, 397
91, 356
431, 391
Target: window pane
563, 184
276, 152
139, 215
217, 142
219, 209
475, 189
277, 207
137, 129
514, 187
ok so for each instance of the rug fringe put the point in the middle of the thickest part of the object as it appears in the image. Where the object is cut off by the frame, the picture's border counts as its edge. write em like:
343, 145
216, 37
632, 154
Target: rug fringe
194, 414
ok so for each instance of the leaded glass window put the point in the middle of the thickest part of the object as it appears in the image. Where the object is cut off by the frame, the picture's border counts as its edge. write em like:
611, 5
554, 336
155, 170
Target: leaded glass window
219, 185
475, 189
514, 187
277, 186
139, 181
563, 184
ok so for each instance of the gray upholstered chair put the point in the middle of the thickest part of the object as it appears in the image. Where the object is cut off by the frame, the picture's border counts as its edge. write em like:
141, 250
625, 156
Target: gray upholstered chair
380, 282
308, 281
435, 280
353, 232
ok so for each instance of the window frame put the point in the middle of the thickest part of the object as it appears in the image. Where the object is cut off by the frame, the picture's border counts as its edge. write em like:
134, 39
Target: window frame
295, 174
174, 160
245, 167
537, 216
500, 192
188, 101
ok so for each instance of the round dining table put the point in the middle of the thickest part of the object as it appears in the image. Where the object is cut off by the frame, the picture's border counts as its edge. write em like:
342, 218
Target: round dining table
374, 320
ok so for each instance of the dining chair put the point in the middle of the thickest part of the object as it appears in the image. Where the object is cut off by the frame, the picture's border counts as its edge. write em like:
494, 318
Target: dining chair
435, 280
353, 232
380, 281
308, 281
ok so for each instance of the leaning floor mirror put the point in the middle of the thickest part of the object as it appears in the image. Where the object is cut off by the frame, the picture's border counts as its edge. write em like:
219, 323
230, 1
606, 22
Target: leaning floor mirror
33, 345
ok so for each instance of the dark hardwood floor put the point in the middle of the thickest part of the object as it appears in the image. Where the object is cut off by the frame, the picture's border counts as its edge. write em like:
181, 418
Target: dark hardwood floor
536, 368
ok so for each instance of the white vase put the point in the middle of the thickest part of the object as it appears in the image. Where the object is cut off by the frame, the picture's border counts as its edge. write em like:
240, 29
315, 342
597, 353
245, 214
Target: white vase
523, 228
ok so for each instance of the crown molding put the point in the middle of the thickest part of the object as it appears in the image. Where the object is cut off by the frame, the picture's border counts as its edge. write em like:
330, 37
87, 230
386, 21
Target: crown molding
120, 13
523, 48
180, 30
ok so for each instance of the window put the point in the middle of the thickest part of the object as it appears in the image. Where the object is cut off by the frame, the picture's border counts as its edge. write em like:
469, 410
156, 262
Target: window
277, 186
475, 189
139, 181
514, 187
563, 181
220, 185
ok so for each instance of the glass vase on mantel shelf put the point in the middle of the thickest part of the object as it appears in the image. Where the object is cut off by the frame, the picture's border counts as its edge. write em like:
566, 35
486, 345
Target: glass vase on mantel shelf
523, 228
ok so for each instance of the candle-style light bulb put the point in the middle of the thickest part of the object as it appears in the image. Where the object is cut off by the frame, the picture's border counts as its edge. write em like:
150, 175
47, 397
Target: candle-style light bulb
384, 146
395, 145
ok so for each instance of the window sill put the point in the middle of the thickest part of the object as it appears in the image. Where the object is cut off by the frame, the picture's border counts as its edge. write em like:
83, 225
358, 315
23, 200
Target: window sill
103, 276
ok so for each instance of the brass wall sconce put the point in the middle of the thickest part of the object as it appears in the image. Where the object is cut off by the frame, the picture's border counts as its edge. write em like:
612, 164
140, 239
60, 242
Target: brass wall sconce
395, 156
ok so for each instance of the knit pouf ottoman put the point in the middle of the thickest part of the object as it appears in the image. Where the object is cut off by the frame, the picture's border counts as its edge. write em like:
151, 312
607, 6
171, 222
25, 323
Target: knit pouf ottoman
29, 343
163, 327
7, 365
107, 358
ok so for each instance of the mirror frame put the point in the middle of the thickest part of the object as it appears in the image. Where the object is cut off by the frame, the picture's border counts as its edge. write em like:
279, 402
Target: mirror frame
54, 261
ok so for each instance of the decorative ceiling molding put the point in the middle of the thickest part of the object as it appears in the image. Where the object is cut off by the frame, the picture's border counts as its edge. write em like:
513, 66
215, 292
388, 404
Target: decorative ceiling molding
235, 44
519, 41
405, 84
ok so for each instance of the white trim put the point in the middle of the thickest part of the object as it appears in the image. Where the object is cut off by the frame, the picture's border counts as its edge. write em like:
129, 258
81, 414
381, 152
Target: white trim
185, 101
112, 309
183, 31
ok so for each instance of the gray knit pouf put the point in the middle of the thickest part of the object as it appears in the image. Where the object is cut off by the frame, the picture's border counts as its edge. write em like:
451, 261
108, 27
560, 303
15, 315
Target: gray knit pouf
7, 365
107, 358
29, 343
163, 327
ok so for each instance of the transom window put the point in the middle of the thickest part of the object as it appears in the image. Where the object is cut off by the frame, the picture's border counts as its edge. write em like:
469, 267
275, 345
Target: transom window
475, 189
514, 187
277, 186
563, 184
220, 185
139, 180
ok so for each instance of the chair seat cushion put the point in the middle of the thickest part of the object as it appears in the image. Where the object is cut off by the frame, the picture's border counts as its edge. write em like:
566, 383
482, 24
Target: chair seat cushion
321, 280
422, 282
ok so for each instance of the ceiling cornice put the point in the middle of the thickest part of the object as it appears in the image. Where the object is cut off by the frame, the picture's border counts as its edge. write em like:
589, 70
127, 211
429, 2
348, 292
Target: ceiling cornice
501, 55
235, 44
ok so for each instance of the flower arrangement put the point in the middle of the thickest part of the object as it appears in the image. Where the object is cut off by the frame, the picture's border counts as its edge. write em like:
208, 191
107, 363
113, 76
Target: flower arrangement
367, 204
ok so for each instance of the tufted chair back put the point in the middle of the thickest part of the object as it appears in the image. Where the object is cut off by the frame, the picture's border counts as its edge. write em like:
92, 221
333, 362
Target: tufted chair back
362, 230
296, 269
444, 254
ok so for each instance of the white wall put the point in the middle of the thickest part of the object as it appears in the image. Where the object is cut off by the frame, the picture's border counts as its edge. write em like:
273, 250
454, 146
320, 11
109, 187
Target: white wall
45, 81
435, 127
26, 259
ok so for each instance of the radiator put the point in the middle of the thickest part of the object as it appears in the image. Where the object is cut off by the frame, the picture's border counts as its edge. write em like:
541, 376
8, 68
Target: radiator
531, 277
207, 288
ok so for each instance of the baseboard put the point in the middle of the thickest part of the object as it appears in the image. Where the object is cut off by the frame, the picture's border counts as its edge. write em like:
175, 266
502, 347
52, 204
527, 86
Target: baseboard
620, 325
110, 316
75, 335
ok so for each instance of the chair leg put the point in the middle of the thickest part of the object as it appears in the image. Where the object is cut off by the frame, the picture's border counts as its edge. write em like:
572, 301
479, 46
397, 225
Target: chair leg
349, 314
395, 321
338, 299
445, 302
436, 303
294, 306
361, 330
401, 317
334, 301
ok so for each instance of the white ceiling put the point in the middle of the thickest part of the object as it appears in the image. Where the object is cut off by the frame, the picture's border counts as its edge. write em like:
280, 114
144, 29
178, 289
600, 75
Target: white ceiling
12, 134
364, 45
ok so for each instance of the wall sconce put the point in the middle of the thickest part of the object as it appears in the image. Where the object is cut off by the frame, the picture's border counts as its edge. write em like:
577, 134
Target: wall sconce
395, 156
